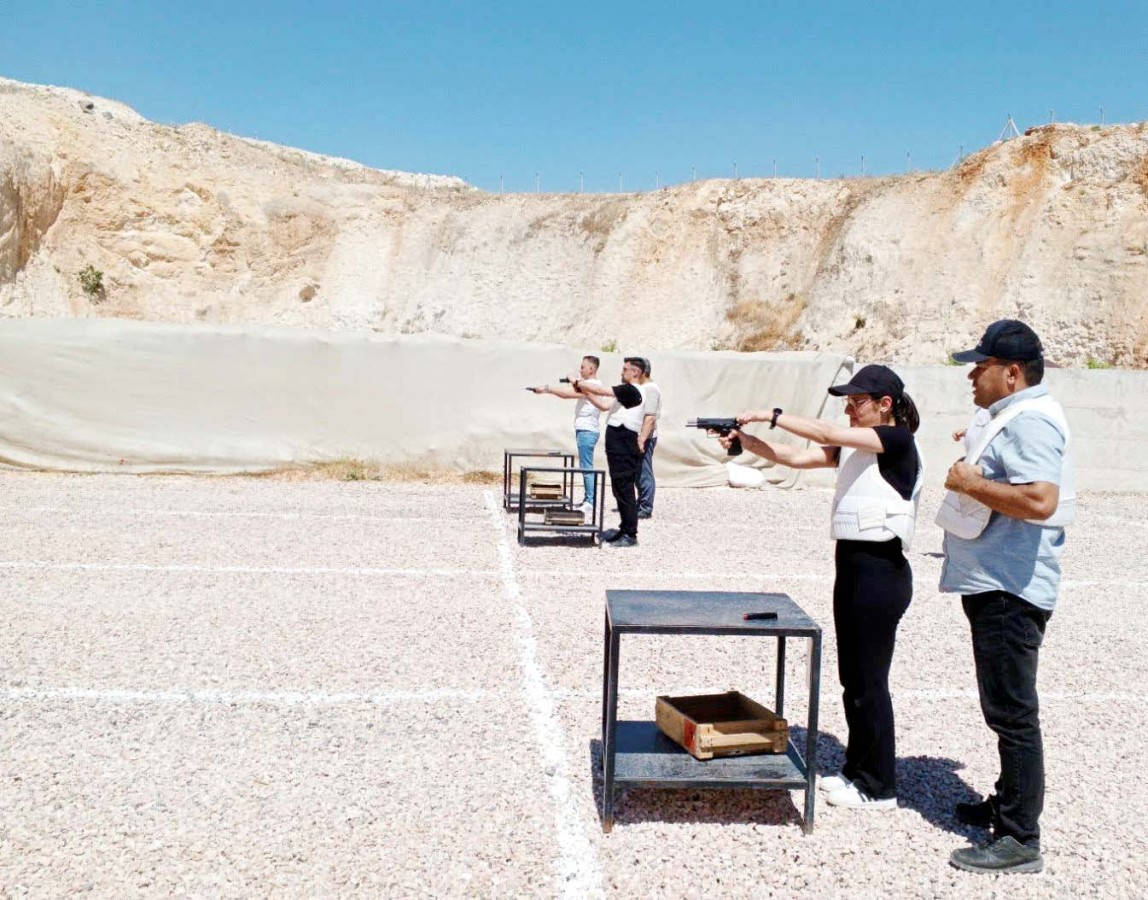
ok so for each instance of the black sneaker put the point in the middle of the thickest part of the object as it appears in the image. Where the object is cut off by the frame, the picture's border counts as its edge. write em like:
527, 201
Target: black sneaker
610, 535
645, 513
1004, 856
625, 540
979, 815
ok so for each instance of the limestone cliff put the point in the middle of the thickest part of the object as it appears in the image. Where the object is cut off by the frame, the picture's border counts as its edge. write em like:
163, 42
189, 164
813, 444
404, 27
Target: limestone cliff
187, 223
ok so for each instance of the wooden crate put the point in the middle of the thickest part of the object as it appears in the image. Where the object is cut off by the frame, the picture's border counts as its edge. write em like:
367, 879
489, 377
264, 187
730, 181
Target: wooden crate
563, 517
729, 724
545, 490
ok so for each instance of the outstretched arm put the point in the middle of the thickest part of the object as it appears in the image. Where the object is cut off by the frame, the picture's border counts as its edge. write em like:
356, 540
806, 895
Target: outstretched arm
586, 389
562, 391
818, 430
785, 454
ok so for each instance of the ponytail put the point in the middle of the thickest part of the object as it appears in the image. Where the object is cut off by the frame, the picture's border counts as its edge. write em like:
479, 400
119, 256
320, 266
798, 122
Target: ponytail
905, 413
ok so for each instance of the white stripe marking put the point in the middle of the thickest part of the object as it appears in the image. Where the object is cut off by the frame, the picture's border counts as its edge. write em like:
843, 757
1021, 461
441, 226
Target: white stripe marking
910, 693
1117, 520
627, 575
244, 570
386, 698
1074, 696
209, 514
228, 698
579, 874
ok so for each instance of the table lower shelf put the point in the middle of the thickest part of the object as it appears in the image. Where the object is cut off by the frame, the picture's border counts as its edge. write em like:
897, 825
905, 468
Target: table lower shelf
643, 755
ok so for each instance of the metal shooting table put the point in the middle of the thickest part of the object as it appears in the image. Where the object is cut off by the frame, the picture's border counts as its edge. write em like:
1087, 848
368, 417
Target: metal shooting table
591, 528
638, 753
511, 499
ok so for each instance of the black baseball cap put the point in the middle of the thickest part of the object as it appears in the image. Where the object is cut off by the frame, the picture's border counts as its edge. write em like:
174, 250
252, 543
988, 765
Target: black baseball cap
640, 362
1004, 339
880, 381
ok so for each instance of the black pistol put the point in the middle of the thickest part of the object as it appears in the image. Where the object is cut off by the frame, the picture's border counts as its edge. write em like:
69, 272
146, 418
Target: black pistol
719, 426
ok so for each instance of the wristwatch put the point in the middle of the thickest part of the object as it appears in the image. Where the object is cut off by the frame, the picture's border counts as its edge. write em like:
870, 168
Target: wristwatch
776, 412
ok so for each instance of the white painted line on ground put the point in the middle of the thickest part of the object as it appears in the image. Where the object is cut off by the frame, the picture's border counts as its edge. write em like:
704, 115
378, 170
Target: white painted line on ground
391, 697
579, 873
1073, 696
910, 693
1116, 520
1102, 582
245, 570
102, 512
229, 698
628, 574
747, 577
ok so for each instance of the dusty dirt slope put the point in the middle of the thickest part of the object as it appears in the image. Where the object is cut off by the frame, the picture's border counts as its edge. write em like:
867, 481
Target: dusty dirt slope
187, 223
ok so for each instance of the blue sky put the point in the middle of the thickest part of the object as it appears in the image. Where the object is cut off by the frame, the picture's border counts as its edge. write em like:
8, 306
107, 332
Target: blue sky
650, 91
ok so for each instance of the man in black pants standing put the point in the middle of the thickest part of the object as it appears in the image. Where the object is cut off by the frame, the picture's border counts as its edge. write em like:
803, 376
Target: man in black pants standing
624, 448
1009, 503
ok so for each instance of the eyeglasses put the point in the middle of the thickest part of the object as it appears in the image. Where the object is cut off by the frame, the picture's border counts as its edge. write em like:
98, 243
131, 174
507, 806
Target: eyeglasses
856, 401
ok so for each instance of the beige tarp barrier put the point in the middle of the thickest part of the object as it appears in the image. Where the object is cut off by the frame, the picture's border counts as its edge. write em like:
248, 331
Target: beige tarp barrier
114, 395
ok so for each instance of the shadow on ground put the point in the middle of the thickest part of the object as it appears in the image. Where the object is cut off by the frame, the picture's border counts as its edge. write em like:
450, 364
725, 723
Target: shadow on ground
692, 806
928, 785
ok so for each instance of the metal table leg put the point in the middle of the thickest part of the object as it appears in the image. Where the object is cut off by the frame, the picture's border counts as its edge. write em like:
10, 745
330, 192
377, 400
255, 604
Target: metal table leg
522, 506
605, 682
811, 736
779, 692
608, 743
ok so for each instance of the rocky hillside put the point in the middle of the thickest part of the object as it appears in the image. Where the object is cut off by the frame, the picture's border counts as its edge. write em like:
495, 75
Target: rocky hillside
186, 224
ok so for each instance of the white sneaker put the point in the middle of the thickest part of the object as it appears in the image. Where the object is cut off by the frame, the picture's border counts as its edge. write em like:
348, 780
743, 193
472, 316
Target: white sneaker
831, 783
852, 798
587, 511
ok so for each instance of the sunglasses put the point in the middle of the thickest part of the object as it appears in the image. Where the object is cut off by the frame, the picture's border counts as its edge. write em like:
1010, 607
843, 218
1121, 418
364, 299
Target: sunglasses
856, 401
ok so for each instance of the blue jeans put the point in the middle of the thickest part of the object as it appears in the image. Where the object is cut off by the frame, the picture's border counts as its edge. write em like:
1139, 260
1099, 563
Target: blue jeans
646, 484
586, 441
1007, 634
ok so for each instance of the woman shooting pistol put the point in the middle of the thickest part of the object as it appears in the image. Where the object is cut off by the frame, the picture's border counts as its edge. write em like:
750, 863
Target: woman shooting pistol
879, 478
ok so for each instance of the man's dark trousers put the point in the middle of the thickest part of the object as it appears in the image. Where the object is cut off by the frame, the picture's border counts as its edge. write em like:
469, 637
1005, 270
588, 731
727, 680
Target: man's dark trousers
1007, 633
624, 462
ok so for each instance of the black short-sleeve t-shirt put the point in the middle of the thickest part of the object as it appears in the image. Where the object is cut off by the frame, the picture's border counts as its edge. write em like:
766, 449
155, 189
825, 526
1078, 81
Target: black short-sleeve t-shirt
898, 464
627, 395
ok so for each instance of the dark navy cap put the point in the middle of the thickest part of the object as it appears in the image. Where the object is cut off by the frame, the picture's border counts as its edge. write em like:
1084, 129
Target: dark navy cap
880, 381
1005, 339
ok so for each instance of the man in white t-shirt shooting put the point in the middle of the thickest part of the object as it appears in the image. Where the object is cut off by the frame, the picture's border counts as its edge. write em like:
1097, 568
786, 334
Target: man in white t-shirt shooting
587, 412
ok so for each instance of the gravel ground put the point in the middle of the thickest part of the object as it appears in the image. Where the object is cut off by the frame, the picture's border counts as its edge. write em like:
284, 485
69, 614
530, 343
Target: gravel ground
236, 687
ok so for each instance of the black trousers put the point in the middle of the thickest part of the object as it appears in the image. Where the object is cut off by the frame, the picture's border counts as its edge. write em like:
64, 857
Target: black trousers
625, 463
1007, 634
872, 590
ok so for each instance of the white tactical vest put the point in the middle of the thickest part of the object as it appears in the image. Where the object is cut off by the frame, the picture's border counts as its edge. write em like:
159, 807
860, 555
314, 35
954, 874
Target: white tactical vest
964, 517
629, 418
866, 507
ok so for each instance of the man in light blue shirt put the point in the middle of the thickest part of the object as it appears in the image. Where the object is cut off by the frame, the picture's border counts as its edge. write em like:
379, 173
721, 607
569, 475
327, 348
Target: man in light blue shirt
1009, 576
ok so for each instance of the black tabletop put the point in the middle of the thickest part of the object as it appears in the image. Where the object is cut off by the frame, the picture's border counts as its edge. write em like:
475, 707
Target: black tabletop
705, 612
547, 452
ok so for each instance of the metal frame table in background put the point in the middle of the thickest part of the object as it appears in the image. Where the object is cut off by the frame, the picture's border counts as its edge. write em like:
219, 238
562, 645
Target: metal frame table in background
638, 753
511, 500
591, 529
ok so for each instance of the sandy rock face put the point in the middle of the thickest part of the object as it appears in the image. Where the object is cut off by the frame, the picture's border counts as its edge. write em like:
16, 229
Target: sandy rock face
190, 224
